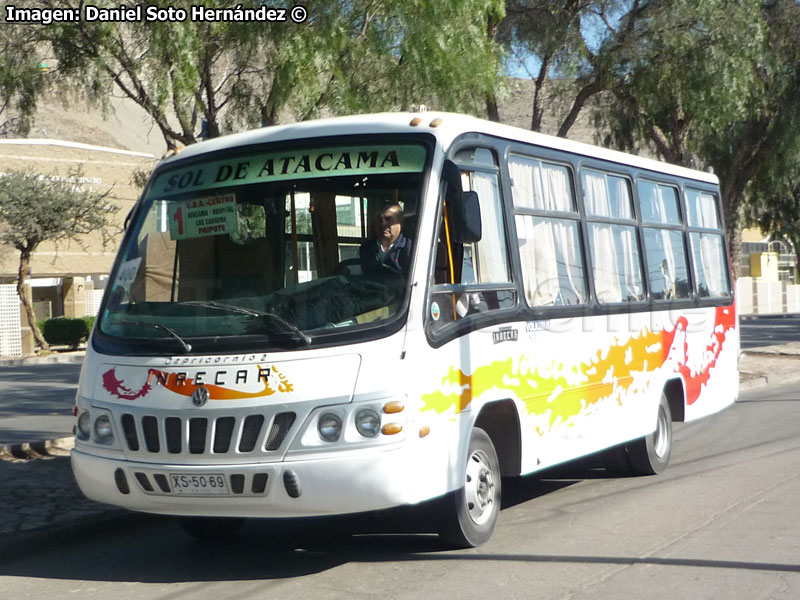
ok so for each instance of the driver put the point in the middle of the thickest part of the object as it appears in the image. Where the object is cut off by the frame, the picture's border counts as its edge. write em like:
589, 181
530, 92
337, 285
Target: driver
390, 248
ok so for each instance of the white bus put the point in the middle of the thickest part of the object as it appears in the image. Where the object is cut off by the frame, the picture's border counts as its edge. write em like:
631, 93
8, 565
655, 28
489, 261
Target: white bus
257, 353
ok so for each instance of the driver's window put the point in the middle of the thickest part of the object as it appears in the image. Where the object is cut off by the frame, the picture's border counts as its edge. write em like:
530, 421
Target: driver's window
474, 277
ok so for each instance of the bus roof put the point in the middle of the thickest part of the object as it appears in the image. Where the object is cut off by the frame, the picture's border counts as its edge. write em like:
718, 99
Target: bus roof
445, 126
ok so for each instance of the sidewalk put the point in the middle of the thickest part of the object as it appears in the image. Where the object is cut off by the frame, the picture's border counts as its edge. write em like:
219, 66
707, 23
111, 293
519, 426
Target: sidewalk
43, 504
769, 364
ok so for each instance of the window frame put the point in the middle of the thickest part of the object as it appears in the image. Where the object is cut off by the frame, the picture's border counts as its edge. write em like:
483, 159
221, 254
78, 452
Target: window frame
634, 221
440, 334
724, 246
575, 215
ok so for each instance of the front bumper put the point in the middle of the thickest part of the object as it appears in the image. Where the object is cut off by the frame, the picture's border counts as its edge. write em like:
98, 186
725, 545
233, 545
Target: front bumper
348, 483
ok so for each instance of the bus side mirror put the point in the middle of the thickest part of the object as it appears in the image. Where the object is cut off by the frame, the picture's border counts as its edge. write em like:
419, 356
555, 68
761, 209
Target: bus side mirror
463, 208
471, 229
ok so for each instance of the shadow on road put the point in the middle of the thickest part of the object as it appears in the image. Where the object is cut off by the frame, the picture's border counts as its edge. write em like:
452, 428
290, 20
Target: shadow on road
159, 552
154, 549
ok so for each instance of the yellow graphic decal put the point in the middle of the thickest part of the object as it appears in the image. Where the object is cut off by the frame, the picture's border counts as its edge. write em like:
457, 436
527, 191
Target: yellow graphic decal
560, 392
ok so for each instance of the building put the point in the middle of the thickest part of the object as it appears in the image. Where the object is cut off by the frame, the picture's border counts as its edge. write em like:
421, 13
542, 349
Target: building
67, 279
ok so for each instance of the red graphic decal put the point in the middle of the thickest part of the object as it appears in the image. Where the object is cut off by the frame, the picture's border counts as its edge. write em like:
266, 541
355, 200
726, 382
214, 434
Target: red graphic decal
724, 321
185, 386
117, 388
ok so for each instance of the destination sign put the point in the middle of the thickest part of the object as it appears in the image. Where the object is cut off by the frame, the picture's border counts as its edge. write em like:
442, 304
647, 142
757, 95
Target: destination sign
200, 217
298, 164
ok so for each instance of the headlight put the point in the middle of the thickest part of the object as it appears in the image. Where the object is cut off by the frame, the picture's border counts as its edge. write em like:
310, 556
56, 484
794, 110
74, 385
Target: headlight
102, 428
330, 427
84, 424
368, 422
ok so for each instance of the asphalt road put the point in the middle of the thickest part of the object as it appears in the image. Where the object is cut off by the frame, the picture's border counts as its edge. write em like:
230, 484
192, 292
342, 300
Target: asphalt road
767, 331
36, 401
722, 522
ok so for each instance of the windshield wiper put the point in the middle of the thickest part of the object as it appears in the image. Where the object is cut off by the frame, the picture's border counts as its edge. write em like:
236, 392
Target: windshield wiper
285, 325
187, 347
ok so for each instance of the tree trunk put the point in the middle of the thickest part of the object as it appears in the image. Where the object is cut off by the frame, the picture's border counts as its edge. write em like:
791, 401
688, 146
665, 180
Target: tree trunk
24, 264
491, 99
491, 108
539, 85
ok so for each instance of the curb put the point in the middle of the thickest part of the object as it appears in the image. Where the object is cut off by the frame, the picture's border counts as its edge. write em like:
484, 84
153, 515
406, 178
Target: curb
754, 382
762, 380
68, 358
33, 450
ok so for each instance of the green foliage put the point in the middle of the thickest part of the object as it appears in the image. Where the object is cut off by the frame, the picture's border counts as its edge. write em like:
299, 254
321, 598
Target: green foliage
353, 56
774, 200
756, 155
36, 208
63, 331
21, 78
689, 72
572, 41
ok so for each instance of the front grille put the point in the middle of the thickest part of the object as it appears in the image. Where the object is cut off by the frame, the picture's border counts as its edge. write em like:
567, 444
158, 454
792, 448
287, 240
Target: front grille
223, 435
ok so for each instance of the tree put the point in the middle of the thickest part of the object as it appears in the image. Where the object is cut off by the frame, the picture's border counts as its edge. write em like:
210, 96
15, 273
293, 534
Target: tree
699, 83
36, 208
573, 43
21, 78
710, 84
213, 77
775, 206
759, 149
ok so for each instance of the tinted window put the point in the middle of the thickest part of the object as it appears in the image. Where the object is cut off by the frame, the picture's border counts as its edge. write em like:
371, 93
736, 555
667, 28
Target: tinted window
666, 263
708, 260
658, 203
616, 265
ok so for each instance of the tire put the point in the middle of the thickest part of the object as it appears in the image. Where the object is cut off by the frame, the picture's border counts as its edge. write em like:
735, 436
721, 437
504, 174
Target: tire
470, 513
211, 529
650, 455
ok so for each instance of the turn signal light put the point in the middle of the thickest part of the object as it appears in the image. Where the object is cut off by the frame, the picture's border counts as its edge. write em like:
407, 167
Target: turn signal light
391, 429
394, 407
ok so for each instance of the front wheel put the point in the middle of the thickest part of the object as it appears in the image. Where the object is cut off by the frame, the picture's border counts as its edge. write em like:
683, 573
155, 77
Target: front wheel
650, 455
470, 513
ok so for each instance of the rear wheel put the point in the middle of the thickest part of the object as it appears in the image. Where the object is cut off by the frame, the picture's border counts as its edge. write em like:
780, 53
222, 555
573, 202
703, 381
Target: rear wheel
211, 529
470, 513
650, 455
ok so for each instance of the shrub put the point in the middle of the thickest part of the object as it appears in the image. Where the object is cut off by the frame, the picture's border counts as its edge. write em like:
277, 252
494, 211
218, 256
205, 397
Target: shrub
63, 331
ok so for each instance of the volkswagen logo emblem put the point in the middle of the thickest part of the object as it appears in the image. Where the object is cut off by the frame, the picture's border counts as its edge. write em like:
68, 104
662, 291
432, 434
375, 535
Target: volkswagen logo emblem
200, 396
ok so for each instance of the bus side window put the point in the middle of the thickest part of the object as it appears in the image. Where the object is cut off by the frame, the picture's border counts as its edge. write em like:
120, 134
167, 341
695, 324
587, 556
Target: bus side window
707, 245
547, 224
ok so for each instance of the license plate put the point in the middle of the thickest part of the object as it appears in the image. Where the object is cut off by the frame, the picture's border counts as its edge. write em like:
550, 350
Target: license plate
199, 484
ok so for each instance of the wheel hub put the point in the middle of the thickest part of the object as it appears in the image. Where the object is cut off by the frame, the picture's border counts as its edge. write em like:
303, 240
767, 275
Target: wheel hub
480, 488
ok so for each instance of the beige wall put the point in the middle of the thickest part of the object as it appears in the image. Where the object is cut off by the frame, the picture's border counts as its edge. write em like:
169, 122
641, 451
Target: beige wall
113, 169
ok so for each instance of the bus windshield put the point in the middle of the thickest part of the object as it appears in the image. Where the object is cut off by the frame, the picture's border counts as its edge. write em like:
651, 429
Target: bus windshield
275, 249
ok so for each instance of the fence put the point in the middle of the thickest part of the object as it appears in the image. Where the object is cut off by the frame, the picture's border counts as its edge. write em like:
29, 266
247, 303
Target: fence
93, 299
10, 323
758, 297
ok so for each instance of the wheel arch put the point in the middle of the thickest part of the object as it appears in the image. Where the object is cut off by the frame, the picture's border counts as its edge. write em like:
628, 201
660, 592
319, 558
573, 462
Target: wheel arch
500, 420
676, 397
